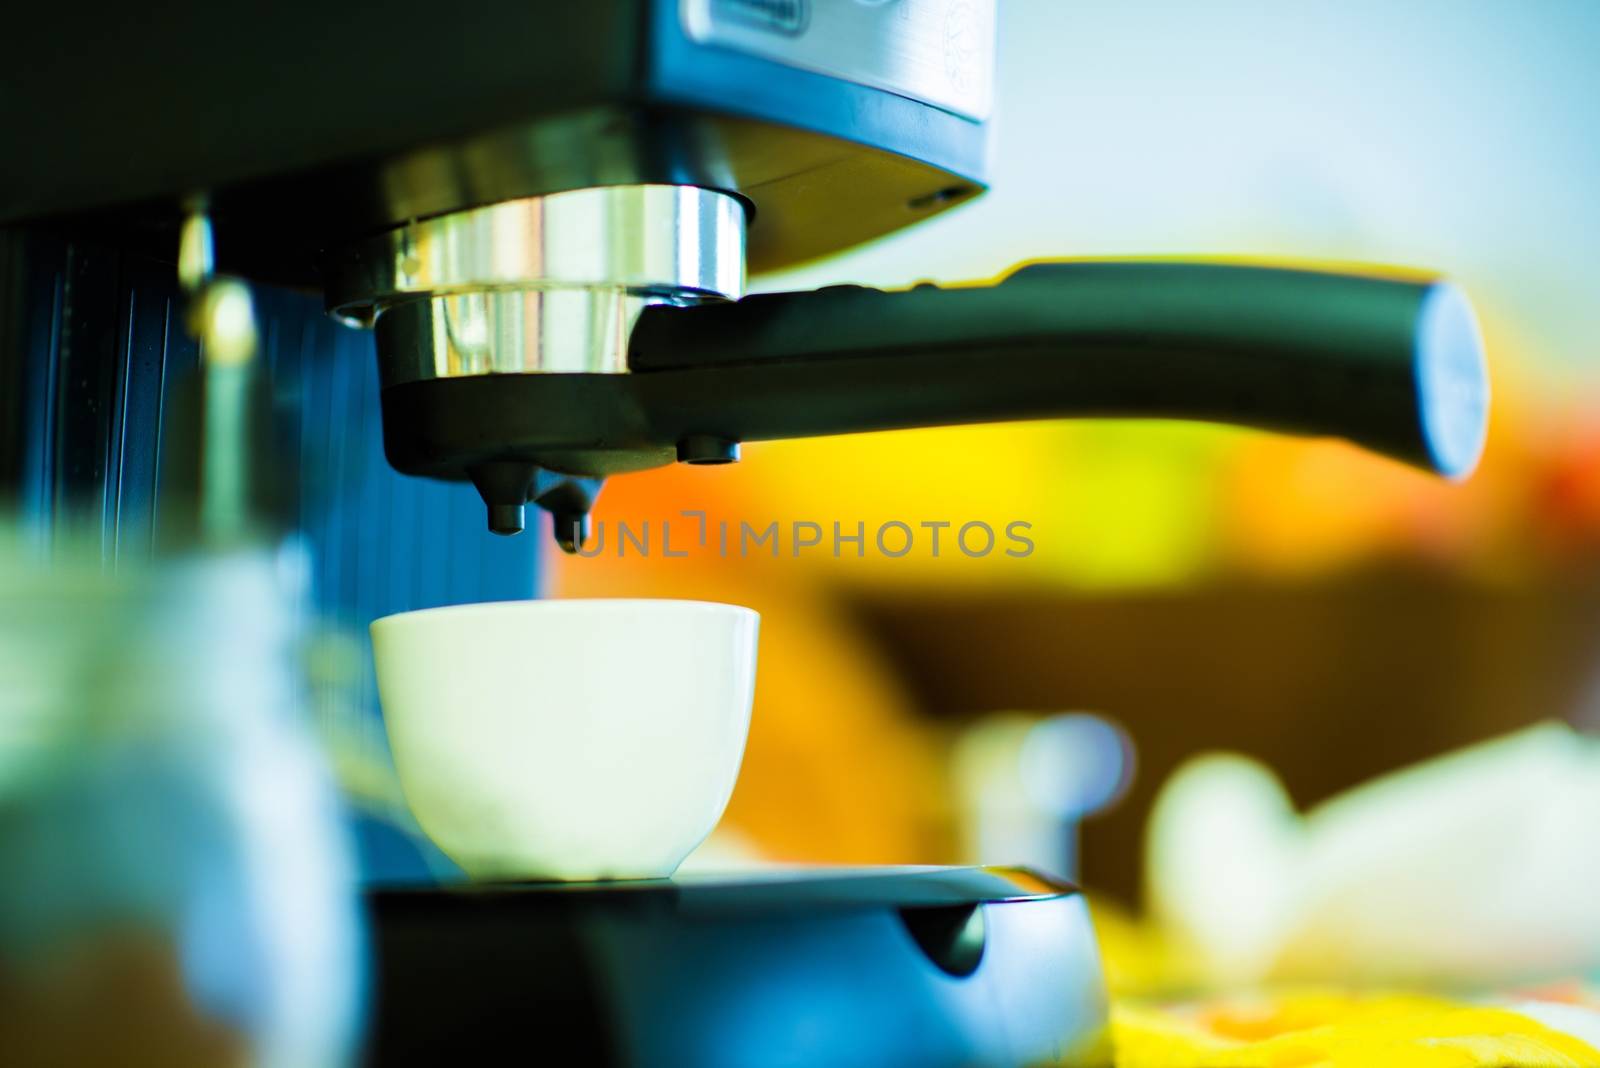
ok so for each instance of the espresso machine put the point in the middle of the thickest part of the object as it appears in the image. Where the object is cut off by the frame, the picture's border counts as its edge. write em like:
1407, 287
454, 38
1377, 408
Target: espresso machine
508, 244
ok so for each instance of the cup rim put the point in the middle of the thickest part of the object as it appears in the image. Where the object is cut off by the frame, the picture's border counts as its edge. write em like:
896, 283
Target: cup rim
569, 606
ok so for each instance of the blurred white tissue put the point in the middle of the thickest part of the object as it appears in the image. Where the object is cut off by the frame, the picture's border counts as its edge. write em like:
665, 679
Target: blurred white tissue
1480, 867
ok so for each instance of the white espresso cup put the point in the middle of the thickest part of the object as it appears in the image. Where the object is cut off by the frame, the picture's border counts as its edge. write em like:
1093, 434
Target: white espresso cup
568, 740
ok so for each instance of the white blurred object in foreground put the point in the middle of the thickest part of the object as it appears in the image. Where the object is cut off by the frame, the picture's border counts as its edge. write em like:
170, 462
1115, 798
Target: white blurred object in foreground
178, 889
1478, 867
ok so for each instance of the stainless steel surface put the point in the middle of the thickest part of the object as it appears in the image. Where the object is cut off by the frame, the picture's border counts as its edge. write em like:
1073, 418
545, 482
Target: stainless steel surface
680, 242
507, 331
940, 51
547, 284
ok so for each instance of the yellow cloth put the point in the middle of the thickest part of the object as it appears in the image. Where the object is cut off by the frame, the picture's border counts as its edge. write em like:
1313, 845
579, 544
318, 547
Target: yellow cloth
1308, 1028
1328, 1030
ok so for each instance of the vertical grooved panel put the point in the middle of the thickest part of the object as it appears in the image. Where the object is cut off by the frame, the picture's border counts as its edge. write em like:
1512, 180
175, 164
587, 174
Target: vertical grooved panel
98, 354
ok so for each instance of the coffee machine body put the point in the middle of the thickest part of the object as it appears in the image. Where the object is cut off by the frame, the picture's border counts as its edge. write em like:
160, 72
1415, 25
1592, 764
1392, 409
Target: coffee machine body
307, 125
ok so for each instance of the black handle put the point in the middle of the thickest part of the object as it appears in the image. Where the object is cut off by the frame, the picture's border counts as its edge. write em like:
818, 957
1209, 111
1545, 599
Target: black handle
1393, 365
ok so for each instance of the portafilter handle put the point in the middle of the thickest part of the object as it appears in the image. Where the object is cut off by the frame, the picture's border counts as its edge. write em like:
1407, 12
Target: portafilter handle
1394, 364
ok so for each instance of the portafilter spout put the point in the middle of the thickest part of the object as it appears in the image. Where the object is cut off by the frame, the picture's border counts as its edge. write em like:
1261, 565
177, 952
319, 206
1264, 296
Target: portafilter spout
541, 287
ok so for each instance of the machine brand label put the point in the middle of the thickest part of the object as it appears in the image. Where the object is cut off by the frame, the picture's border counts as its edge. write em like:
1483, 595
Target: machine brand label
940, 52
787, 17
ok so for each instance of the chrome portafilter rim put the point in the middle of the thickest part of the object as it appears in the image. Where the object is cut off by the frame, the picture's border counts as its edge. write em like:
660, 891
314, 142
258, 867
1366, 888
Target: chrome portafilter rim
550, 284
